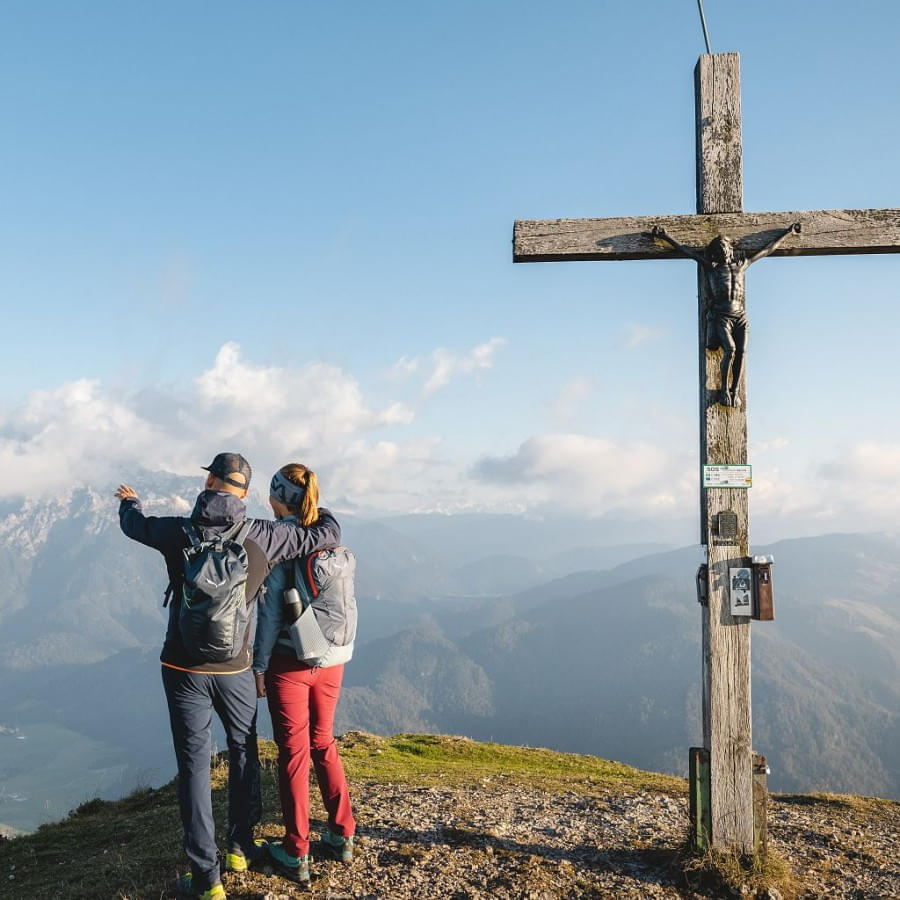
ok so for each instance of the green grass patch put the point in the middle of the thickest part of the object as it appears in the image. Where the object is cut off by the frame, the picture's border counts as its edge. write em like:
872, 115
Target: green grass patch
103, 849
427, 758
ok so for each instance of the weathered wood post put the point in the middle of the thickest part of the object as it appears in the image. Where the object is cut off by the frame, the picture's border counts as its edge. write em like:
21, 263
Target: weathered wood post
723, 440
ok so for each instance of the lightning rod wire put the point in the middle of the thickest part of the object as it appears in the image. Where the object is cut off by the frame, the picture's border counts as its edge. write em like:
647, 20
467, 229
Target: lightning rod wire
703, 23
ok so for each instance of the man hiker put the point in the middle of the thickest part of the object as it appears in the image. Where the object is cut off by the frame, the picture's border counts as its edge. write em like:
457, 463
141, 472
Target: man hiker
206, 670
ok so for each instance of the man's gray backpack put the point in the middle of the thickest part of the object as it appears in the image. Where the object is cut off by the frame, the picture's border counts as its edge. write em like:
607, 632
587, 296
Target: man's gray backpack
214, 614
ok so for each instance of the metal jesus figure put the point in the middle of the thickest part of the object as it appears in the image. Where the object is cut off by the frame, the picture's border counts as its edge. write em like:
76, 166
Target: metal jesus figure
726, 314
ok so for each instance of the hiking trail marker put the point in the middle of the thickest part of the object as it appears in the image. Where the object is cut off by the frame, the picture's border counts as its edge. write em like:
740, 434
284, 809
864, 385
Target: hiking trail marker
725, 802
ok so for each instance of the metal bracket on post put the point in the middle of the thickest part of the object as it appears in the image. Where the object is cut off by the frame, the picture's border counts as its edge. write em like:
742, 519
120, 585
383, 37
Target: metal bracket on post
760, 805
702, 579
700, 809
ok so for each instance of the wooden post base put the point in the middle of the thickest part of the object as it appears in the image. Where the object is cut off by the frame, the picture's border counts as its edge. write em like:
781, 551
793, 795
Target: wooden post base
700, 812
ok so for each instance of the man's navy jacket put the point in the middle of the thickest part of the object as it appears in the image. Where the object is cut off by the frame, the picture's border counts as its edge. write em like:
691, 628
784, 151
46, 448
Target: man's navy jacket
267, 543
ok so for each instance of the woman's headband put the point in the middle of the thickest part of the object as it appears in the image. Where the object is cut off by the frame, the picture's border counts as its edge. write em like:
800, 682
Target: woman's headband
286, 491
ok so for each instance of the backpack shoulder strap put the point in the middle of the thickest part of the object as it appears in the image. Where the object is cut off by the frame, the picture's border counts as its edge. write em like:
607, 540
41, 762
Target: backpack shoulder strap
295, 579
243, 530
307, 572
191, 532
237, 532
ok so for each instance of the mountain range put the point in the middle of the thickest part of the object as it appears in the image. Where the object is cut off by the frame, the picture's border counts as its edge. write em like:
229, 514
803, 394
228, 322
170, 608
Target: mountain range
497, 627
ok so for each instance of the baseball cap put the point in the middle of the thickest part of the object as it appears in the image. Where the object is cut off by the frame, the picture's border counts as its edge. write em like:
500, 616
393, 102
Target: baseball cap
228, 465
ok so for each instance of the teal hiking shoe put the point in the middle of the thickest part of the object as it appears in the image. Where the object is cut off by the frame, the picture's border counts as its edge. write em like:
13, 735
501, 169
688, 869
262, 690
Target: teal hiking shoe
296, 868
184, 887
336, 846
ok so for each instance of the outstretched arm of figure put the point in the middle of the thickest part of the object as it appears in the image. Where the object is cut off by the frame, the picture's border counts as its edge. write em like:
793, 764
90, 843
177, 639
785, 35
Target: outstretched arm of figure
657, 231
159, 532
769, 248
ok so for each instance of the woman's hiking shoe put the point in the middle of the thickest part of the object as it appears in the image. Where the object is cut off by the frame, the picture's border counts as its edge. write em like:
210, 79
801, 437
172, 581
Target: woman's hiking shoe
296, 868
336, 846
184, 887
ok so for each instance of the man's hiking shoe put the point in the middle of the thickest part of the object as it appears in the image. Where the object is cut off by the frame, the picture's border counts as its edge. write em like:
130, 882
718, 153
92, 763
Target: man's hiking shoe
237, 861
184, 887
296, 868
336, 846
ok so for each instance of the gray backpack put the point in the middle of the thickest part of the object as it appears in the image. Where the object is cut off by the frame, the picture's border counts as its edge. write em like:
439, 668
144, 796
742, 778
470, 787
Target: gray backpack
214, 614
325, 631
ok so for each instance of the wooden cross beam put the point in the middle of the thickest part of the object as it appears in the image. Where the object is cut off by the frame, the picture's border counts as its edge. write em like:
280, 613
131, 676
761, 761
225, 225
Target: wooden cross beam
723, 429
825, 232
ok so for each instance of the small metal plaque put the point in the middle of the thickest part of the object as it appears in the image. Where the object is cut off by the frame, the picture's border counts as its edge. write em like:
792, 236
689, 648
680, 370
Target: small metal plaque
727, 524
740, 477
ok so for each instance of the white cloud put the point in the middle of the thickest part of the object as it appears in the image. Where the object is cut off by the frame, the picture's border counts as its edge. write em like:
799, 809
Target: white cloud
593, 474
404, 367
70, 435
446, 363
637, 333
857, 488
866, 463
308, 407
83, 432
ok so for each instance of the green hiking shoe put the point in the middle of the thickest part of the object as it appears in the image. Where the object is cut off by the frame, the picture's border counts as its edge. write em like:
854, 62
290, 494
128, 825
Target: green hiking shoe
296, 868
336, 846
184, 887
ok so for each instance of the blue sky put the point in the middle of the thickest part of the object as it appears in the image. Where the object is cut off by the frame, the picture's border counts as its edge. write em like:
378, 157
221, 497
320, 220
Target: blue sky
285, 228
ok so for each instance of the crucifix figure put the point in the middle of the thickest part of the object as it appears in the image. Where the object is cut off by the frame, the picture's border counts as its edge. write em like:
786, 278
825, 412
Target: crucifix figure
725, 662
726, 315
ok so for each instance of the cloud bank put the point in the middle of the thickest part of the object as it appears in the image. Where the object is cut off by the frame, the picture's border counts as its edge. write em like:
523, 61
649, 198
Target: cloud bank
85, 432
376, 458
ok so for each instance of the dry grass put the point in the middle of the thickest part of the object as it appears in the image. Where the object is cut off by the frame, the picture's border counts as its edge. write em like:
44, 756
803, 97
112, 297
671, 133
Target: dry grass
731, 872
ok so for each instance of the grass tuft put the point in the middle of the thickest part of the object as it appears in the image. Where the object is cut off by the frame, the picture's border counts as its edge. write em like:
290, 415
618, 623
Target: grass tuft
730, 873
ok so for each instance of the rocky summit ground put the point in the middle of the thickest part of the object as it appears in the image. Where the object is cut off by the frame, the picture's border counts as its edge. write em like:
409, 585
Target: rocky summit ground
449, 818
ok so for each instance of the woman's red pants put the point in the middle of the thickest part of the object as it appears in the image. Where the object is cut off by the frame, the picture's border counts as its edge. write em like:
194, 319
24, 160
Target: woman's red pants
302, 703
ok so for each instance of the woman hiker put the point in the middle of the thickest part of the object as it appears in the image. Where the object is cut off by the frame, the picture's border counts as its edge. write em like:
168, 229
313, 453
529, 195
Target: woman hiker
302, 695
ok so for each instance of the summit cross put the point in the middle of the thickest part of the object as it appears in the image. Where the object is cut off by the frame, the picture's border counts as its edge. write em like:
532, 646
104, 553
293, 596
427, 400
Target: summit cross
723, 407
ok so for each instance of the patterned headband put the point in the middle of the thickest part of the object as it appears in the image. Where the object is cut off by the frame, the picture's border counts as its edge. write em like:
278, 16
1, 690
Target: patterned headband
286, 491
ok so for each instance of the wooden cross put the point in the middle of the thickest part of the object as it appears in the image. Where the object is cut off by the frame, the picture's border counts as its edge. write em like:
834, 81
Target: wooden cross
723, 429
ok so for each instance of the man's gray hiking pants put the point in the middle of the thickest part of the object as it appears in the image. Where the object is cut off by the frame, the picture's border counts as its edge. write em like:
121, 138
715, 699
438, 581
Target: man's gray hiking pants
192, 697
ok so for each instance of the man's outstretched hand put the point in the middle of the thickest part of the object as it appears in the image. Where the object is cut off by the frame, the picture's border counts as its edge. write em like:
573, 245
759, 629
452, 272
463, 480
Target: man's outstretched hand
125, 492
